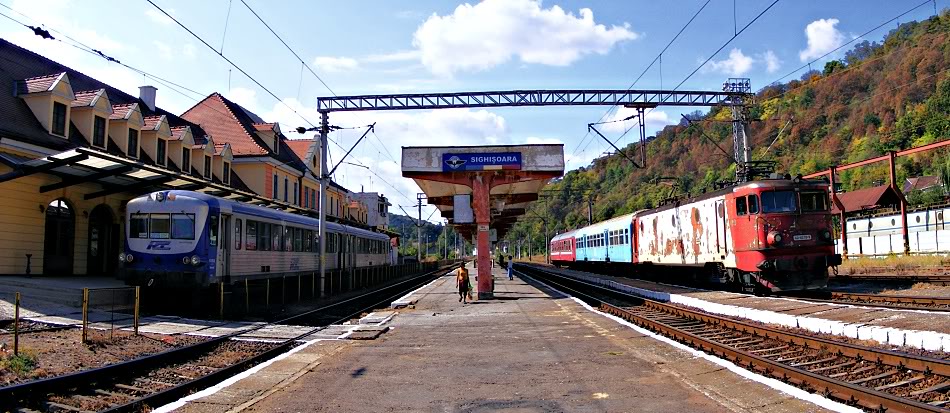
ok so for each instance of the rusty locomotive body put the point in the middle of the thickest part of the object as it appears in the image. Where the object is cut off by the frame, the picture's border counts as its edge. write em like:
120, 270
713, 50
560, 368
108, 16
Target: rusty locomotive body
768, 235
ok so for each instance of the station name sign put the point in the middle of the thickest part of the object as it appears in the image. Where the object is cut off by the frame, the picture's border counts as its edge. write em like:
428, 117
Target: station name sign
454, 162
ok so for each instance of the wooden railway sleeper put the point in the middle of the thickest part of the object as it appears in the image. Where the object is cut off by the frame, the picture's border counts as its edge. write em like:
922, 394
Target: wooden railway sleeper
911, 380
811, 363
765, 350
879, 376
836, 366
937, 387
853, 372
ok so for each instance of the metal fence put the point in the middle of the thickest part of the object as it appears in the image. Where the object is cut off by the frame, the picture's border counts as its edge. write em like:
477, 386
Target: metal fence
106, 310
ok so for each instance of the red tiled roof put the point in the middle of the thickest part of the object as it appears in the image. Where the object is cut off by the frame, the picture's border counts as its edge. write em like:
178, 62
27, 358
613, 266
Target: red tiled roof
85, 98
121, 111
921, 182
867, 198
152, 122
178, 132
215, 116
37, 84
300, 147
264, 126
219, 148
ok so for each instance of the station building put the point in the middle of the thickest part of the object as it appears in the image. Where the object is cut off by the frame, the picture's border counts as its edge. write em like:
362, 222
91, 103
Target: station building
75, 150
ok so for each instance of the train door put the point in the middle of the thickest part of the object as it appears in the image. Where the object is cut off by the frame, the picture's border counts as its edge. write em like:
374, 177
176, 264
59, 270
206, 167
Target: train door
721, 246
224, 249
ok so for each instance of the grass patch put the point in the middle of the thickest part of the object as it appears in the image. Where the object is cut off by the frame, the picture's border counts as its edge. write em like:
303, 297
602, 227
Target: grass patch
19, 364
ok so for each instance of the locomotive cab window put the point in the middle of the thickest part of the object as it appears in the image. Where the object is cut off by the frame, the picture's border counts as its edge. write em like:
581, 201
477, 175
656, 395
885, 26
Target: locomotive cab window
158, 226
741, 207
138, 226
778, 202
183, 226
814, 201
753, 204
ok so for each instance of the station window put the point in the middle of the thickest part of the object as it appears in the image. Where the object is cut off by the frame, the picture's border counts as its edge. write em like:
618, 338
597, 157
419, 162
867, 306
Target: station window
160, 152
207, 171
226, 173
185, 161
741, 207
274, 187
59, 119
237, 234
99, 132
133, 145
251, 244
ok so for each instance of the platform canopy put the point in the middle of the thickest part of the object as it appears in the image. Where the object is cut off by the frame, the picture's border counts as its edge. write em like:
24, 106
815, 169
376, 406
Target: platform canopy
513, 174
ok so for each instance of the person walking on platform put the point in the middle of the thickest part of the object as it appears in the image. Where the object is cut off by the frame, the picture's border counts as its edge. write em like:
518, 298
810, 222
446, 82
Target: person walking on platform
461, 281
511, 265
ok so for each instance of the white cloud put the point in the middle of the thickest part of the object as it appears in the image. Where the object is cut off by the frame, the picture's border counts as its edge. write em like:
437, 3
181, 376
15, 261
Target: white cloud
736, 65
823, 37
492, 32
335, 64
164, 50
244, 97
772, 63
399, 56
158, 17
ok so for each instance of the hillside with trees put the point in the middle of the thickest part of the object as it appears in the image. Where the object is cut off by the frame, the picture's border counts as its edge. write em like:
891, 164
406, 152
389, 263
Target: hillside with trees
881, 96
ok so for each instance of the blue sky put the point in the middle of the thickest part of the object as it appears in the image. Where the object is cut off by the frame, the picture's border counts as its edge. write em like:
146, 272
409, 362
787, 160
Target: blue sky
373, 47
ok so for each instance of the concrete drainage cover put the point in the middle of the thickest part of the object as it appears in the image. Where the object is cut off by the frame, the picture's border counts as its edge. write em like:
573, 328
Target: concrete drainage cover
367, 333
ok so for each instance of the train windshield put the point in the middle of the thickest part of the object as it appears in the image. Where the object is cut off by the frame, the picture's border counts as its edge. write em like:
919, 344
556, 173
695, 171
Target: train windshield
779, 201
814, 201
162, 226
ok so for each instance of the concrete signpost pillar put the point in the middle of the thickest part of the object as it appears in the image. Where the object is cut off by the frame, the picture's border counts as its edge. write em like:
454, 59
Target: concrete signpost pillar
481, 186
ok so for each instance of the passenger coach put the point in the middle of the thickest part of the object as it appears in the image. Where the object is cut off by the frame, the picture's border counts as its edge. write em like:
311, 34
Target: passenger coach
184, 238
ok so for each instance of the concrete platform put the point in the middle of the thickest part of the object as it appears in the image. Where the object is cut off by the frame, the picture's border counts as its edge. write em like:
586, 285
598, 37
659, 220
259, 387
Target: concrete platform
48, 295
528, 350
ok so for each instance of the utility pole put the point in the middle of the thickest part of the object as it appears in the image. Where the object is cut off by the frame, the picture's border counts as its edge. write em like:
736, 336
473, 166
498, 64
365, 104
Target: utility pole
419, 228
590, 209
324, 131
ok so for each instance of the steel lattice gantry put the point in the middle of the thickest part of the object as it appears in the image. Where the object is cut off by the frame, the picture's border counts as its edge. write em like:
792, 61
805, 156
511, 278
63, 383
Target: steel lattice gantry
622, 97
491, 187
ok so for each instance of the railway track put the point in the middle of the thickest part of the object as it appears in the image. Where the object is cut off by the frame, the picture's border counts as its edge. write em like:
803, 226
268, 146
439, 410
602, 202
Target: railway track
161, 378
938, 304
936, 279
873, 379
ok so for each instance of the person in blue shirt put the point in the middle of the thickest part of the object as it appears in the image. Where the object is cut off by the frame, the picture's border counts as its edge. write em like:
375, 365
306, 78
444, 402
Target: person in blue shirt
511, 265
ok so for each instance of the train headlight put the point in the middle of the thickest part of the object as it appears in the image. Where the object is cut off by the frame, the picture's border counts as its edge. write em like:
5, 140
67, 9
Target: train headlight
826, 235
185, 260
159, 196
121, 257
128, 258
195, 260
775, 239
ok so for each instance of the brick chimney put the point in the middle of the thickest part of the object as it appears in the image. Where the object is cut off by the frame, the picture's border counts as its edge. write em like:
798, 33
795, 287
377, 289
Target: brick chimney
147, 94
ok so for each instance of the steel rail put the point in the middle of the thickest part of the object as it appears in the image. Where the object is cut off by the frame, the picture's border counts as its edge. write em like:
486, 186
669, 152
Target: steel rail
867, 398
173, 393
82, 379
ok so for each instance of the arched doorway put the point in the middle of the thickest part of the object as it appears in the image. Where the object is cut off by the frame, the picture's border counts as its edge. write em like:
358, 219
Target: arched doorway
60, 238
103, 242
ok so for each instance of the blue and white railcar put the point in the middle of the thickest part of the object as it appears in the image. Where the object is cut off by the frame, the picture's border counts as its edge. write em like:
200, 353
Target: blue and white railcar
606, 241
184, 238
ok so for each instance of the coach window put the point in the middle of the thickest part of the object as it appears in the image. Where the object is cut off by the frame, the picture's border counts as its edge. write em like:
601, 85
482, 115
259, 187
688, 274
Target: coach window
238, 231
251, 236
298, 239
158, 226
740, 206
263, 236
288, 239
213, 234
753, 204
277, 237
307, 240
183, 226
